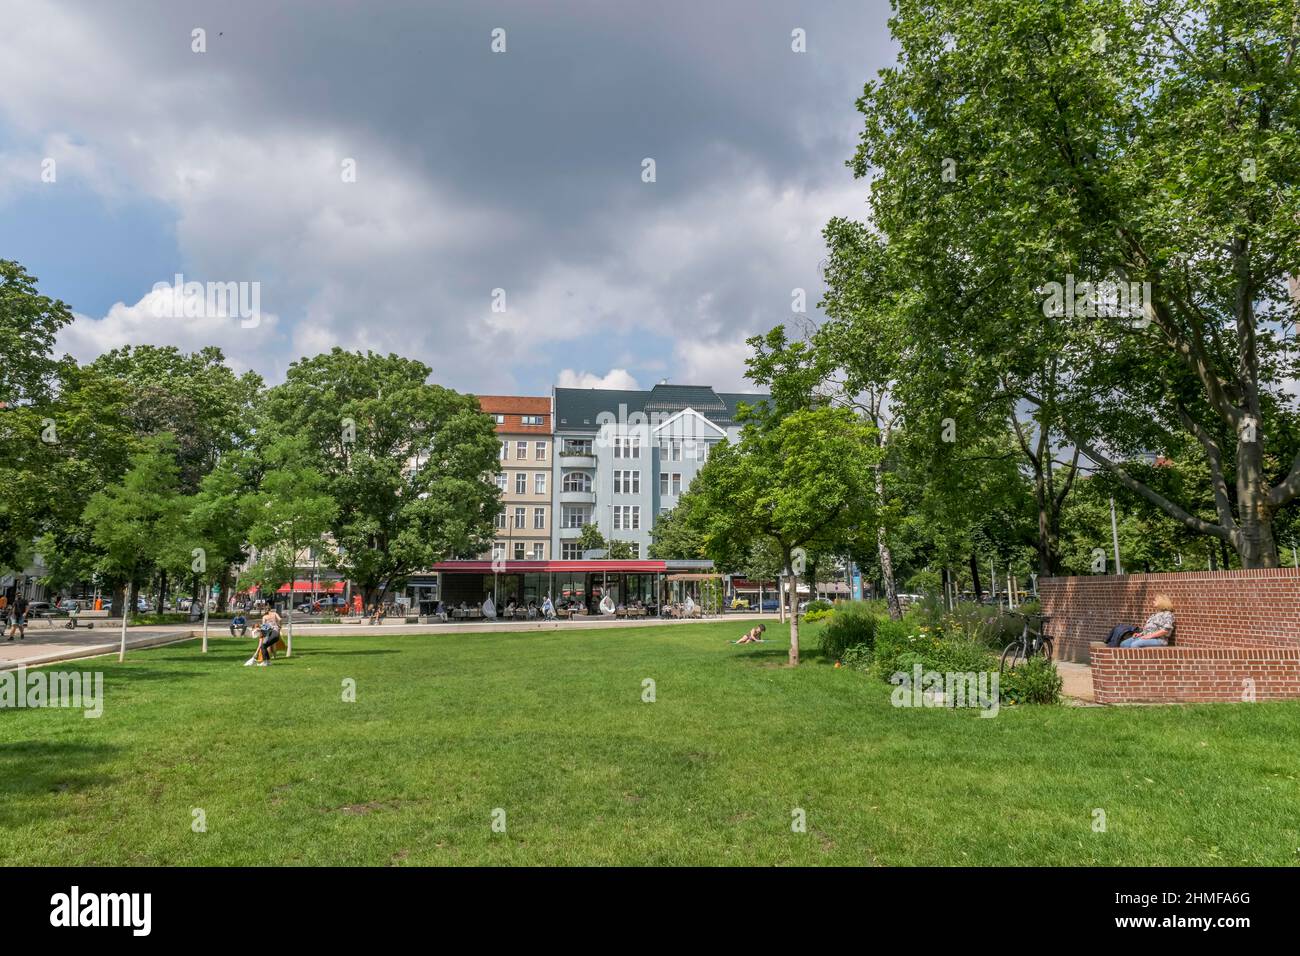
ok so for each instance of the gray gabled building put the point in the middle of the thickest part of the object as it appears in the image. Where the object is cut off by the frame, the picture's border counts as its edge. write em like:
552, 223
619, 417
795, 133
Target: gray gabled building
622, 457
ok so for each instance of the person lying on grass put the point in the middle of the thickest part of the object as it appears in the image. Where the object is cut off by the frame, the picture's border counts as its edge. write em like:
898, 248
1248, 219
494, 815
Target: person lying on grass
754, 636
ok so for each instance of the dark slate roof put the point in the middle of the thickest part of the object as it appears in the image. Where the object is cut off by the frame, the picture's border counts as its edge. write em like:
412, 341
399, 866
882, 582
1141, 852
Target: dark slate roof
580, 407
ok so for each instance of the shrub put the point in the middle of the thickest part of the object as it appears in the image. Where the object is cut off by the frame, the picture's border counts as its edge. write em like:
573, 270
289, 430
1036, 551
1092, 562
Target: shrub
858, 657
819, 605
852, 623
1036, 681
812, 616
901, 645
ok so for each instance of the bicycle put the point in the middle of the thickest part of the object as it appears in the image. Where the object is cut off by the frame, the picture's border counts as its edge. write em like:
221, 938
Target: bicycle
1030, 643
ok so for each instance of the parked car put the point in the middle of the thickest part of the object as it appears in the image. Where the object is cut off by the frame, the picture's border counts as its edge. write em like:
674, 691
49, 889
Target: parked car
769, 604
142, 606
739, 604
68, 605
40, 609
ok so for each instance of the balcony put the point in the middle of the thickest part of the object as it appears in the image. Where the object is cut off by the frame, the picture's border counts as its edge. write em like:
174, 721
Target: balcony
569, 459
577, 497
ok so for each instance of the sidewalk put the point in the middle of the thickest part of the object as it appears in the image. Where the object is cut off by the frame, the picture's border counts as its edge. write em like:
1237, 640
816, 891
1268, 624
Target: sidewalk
44, 645
1076, 682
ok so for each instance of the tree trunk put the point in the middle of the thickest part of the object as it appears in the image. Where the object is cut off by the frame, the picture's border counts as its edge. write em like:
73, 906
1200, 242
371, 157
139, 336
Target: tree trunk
1253, 536
223, 589
975, 577
794, 616
886, 559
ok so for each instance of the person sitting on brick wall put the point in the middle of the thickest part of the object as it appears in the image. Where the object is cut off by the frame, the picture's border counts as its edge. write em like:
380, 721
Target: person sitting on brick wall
1158, 631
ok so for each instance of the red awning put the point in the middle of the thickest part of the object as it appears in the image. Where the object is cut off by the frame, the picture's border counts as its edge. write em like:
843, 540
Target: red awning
320, 587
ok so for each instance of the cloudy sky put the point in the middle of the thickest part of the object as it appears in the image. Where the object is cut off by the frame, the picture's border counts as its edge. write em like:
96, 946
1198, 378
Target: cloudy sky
475, 171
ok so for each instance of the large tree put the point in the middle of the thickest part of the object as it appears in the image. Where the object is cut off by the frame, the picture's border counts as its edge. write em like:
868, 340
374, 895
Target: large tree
411, 464
29, 322
1030, 159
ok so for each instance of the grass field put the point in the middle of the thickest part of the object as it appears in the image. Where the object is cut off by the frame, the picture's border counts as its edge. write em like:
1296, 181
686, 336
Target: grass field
551, 728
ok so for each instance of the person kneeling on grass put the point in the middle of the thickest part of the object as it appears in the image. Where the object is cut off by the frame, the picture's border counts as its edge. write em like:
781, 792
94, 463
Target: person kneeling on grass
755, 635
270, 636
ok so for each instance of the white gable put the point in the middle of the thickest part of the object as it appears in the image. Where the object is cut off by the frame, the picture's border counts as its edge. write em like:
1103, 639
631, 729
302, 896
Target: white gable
688, 423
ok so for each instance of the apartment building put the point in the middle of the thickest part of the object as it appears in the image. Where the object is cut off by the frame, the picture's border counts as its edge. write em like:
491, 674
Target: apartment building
523, 425
623, 457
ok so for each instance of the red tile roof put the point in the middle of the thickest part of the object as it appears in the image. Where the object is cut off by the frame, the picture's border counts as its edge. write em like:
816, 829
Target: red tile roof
514, 407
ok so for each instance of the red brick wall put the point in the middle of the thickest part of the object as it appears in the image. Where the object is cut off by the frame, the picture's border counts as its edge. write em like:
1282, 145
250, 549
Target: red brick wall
1194, 674
1214, 609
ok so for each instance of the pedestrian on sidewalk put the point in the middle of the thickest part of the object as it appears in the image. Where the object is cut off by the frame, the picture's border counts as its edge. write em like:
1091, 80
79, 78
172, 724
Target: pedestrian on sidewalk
18, 618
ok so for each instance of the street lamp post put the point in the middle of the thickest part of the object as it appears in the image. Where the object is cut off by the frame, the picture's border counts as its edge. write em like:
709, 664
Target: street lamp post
1114, 536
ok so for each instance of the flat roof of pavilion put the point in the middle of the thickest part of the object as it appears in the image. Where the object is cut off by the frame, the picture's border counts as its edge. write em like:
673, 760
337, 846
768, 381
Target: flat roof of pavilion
544, 567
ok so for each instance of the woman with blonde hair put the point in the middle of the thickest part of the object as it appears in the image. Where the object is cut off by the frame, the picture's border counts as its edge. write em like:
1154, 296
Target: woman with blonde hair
1158, 631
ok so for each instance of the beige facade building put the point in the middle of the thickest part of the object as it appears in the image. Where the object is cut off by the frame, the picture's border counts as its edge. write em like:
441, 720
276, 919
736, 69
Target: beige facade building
523, 427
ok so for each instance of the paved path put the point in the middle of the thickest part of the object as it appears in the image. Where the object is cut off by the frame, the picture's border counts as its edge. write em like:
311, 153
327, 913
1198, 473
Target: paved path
45, 645
1076, 682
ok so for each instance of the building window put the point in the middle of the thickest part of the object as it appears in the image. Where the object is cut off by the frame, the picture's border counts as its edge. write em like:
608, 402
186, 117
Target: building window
627, 517
576, 446
636, 517
628, 447
539, 551
498, 551
499, 419
521, 450
570, 551
532, 419
576, 481
574, 517
501, 520
677, 483
663, 482
519, 550
539, 483
539, 519
541, 451
627, 482
520, 515
521, 483
636, 551
501, 481
505, 450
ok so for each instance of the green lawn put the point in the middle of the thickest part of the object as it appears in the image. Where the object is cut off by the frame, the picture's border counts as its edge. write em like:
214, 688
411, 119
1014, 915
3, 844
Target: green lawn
551, 728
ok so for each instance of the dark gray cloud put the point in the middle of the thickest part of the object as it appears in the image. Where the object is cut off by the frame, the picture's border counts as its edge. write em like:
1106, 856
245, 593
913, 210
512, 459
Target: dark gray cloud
476, 170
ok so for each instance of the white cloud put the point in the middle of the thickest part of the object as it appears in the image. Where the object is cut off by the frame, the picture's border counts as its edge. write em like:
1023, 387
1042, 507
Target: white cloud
619, 378
154, 320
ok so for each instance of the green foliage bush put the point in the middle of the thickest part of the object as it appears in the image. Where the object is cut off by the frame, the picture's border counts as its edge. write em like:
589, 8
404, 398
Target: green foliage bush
1036, 681
858, 657
901, 645
852, 623
818, 610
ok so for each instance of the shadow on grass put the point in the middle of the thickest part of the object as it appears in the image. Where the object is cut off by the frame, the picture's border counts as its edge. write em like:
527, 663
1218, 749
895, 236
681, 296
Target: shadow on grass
35, 768
312, 652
